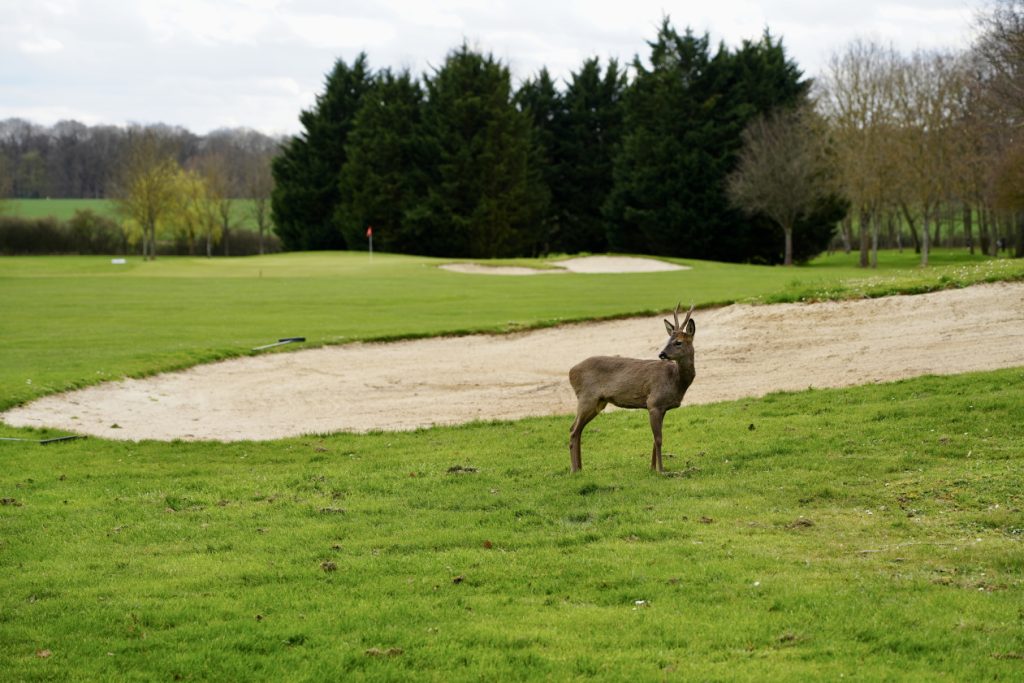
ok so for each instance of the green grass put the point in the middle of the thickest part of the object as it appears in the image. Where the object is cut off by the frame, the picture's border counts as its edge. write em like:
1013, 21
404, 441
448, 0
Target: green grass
61, 209
64, 209
897, 273
72, 321
871, 533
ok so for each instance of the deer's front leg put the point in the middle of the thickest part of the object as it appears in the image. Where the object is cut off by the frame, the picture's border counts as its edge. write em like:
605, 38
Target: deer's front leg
575, 458
657, 416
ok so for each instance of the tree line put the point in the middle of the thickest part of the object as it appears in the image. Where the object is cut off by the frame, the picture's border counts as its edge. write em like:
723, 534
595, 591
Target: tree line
76, 161
726, 154
169, 185
915, 143
920, 136
194, 204
461, 163
693, 150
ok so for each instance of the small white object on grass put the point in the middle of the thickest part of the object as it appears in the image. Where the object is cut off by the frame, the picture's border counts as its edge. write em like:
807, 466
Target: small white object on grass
118, 261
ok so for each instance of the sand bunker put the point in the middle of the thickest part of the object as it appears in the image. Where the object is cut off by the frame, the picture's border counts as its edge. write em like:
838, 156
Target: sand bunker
584, 264
741, 351
617, 264
479, 269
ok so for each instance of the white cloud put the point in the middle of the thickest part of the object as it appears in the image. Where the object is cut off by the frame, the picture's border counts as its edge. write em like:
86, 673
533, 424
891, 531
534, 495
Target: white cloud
284, 86
40, 46
208, 23
431, 15
325, 31
49, 114
207, 63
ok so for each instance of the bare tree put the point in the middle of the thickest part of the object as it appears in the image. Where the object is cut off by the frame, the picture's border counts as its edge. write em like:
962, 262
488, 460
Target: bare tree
782, 169
1008, 191
969, 149
856, 101
999, 48
928, 97
259, 187
1001, 44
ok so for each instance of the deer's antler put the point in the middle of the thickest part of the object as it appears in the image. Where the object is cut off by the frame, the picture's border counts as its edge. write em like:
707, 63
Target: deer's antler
675, 315
688, 314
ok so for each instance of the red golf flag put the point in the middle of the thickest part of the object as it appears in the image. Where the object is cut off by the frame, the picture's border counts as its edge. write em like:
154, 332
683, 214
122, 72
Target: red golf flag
369, 231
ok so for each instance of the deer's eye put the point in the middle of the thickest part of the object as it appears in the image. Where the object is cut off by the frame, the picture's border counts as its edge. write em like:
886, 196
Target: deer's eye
679, 343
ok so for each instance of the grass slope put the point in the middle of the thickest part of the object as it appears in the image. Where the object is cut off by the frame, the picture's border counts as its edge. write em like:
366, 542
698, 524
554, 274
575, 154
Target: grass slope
61, 209
70, 321
872, 532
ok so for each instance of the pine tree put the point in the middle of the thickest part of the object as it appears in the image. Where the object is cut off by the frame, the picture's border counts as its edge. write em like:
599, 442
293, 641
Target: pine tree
306, 192
593, 132
540, 100
684, 118
387, 165
655, 206
485, 196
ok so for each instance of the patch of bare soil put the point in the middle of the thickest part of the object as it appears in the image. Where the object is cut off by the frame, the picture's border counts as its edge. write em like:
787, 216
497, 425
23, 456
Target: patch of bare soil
741, 350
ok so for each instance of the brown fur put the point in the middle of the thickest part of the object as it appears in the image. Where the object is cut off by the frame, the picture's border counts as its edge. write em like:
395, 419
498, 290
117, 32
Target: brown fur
656, 385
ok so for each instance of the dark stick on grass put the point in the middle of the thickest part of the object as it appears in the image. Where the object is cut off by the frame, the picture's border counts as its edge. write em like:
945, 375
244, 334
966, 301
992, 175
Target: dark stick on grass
43, 442
280, 342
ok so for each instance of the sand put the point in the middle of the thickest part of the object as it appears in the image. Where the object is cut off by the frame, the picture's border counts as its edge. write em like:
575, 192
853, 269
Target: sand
583, 264
741, 351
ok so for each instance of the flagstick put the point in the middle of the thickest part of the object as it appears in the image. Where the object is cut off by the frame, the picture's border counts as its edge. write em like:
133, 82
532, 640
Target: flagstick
371, 247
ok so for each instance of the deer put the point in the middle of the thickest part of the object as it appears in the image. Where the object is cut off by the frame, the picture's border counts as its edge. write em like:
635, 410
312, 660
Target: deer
657, 385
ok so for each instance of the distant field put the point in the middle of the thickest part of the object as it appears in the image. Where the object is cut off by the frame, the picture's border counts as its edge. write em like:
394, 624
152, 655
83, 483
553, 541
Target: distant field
63, 209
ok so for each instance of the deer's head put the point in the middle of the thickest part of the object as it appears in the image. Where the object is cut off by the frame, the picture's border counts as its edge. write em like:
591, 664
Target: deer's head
680, 337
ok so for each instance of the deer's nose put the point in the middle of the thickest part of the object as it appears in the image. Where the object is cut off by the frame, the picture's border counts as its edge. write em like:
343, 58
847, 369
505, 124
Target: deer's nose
662, 356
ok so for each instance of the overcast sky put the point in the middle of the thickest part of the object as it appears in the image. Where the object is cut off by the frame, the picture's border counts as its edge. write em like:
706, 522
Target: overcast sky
256, 63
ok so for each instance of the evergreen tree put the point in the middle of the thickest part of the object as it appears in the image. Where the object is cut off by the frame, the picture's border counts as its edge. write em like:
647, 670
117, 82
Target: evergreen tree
593, 132
543, 104
306, 192
811, 234
654, 206
684, 117
387, 166
759, 79
485, 197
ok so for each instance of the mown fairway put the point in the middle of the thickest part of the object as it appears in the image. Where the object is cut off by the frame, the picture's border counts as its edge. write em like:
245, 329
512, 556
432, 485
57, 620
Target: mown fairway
71, 321
871, 533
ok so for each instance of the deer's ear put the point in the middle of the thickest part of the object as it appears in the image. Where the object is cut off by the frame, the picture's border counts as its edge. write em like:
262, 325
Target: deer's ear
691, 327
670, 327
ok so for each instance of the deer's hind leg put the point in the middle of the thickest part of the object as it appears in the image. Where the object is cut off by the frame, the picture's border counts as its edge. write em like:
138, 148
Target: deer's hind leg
586, 410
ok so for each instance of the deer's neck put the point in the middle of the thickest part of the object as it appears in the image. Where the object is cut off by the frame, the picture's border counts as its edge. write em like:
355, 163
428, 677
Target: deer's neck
686, 373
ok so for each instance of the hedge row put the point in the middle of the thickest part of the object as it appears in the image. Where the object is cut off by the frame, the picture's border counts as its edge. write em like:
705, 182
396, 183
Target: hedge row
90, 233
